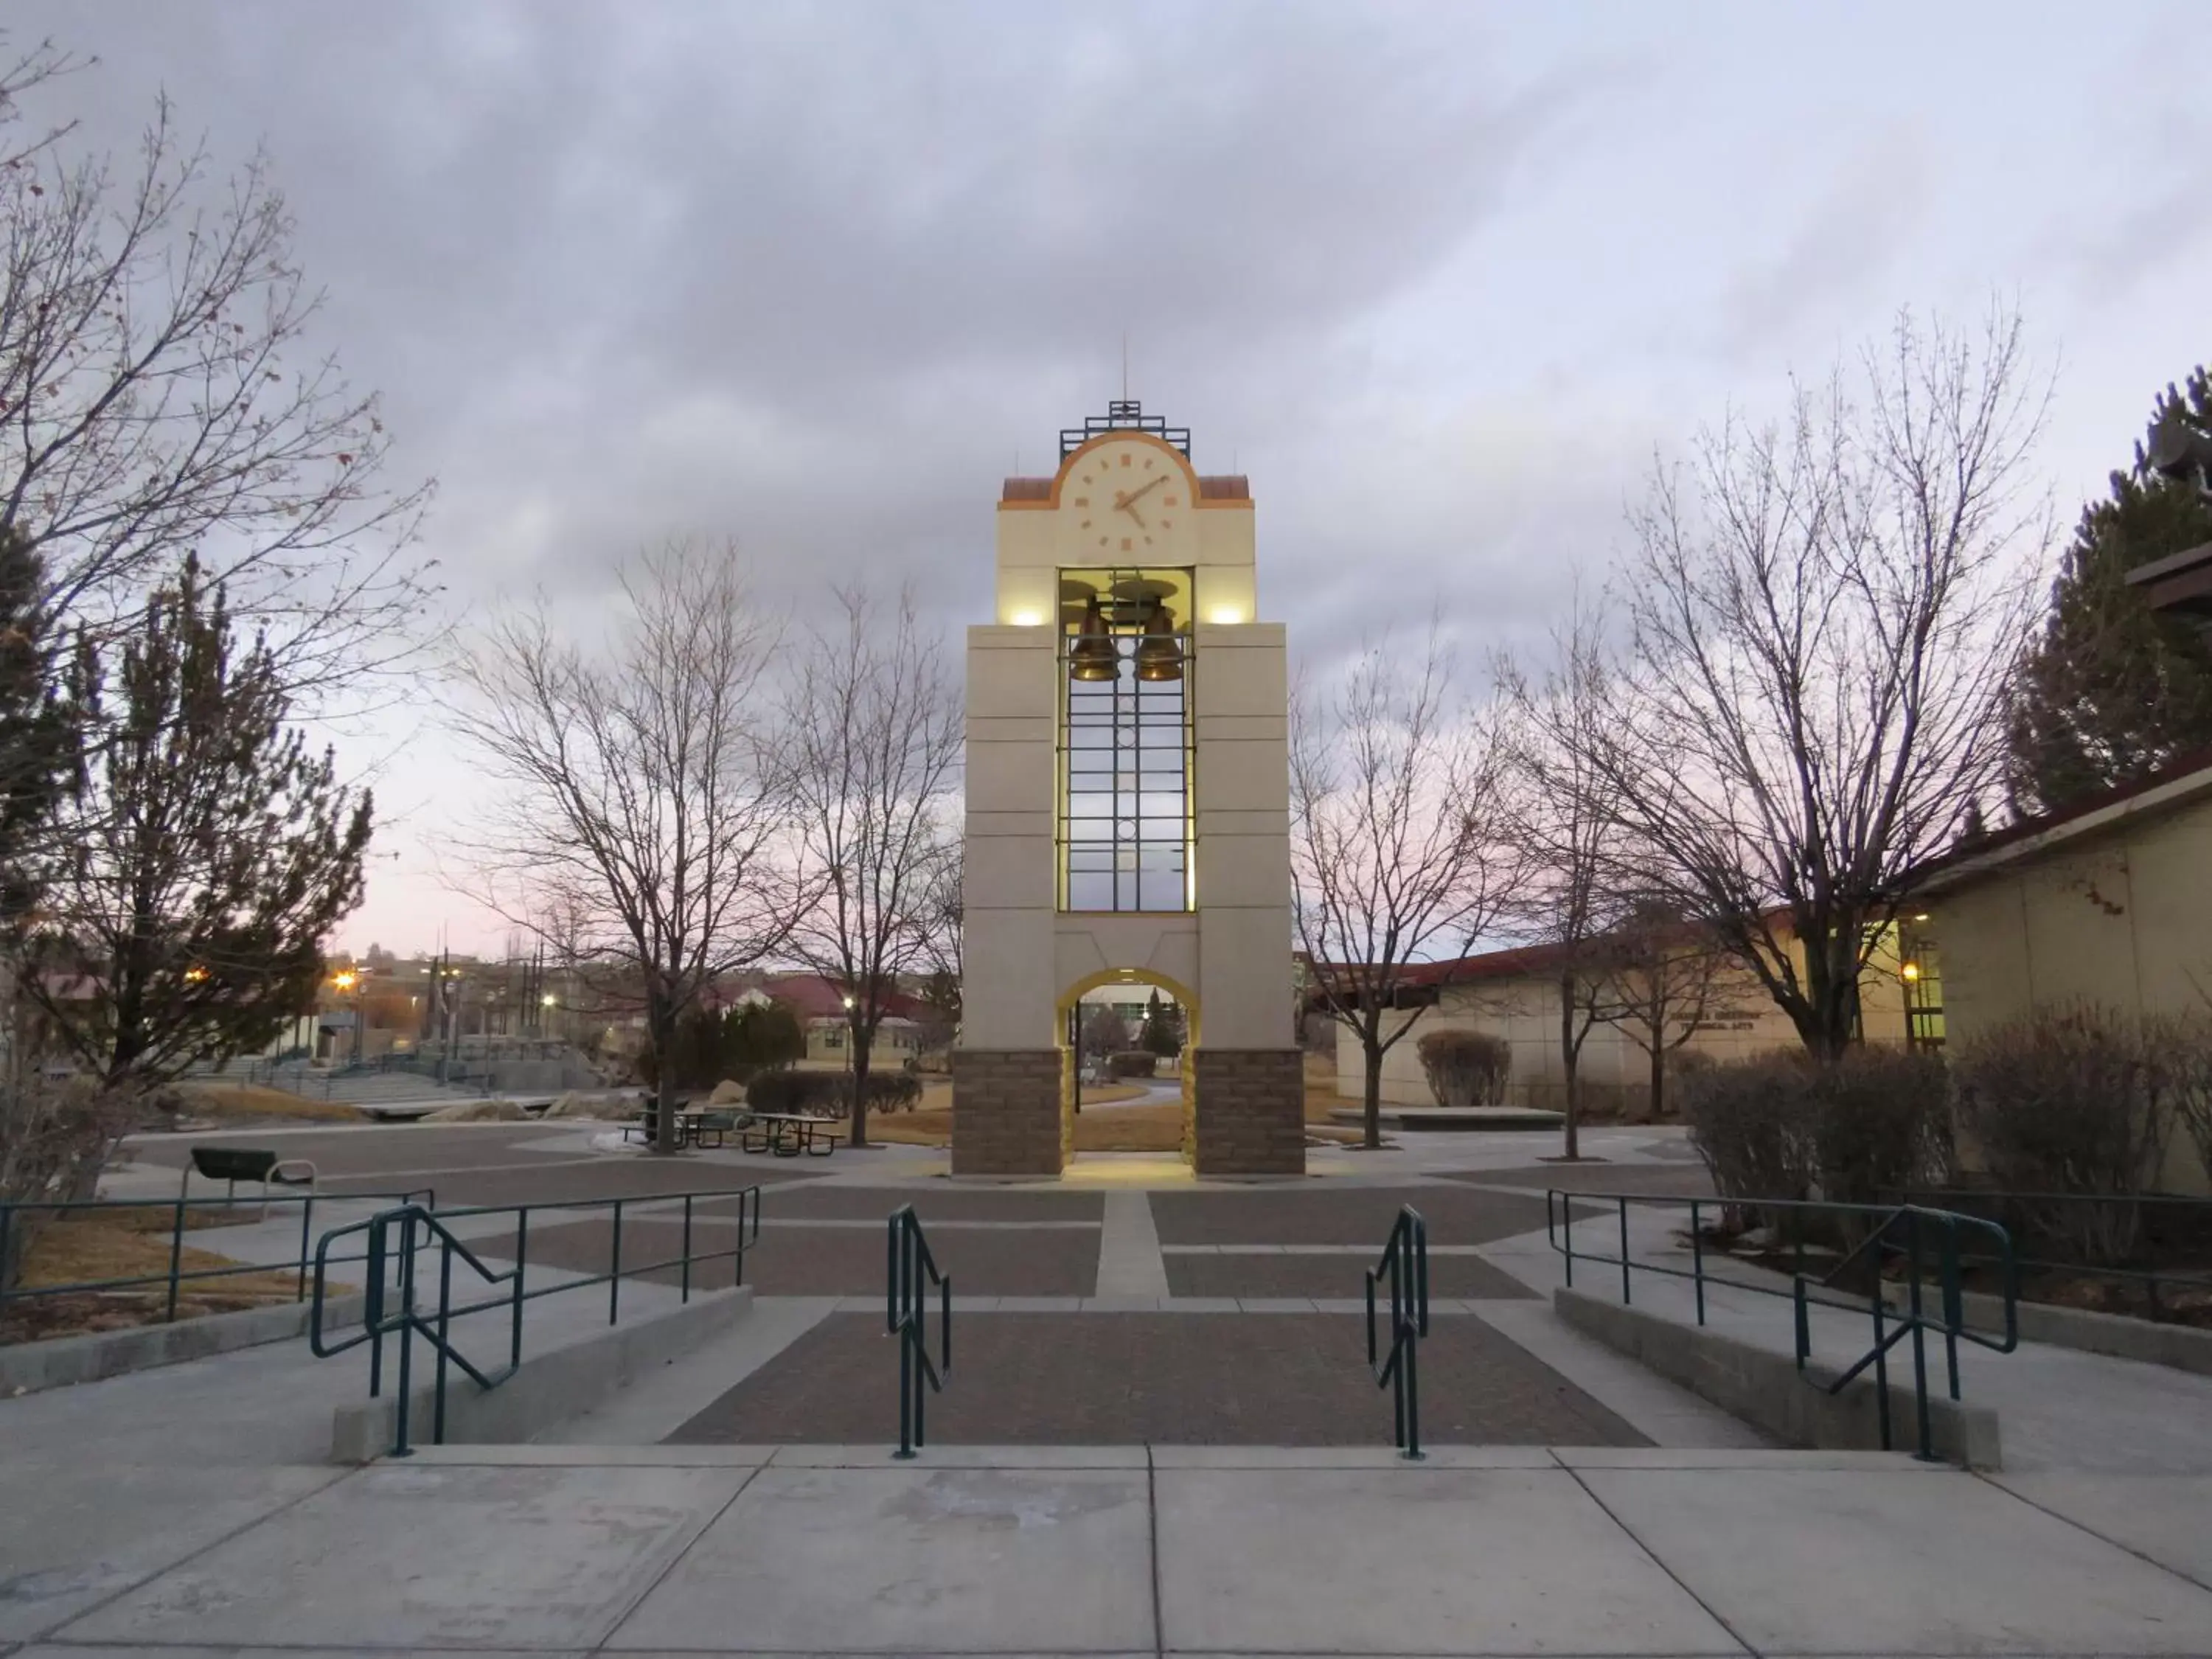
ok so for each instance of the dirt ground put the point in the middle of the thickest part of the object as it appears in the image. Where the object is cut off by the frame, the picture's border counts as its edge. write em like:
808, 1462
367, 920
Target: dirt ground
227, 1100
132, 1245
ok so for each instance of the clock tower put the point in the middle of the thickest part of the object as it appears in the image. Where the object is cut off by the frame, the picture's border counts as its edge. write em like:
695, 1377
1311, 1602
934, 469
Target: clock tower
1128, 805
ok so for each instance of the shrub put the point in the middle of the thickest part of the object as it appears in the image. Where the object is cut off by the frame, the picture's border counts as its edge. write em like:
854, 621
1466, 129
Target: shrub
2076, 1100
1882, 1125
2186, 1041
894, 1091
830, 1093
1466, 1068
791, 1091
1133, 1063
1752, 1121
1865, 1130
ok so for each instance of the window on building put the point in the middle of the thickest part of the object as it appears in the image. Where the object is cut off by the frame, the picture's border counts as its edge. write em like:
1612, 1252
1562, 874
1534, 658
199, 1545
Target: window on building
833, 1037
1922, 971
1125, 798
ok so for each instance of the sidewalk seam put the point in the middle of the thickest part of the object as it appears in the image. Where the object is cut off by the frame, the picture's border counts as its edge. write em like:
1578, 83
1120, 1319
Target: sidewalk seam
1996, 1481
613, 1627
49, 1634
1710, 1611
1152, 1539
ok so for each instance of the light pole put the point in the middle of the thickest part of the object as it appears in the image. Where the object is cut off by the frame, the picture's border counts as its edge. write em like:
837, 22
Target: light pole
349, 982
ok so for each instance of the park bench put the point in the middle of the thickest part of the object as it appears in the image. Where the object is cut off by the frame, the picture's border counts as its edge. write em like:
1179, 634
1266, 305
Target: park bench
235, 1164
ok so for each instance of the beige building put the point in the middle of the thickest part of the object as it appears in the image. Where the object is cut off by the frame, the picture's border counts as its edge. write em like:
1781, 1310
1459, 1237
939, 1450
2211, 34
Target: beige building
2108, 901
1720, 1012
1127, 803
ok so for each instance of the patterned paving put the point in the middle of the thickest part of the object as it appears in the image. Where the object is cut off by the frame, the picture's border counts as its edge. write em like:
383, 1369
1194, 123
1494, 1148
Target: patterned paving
1171, 1379
1328, 1276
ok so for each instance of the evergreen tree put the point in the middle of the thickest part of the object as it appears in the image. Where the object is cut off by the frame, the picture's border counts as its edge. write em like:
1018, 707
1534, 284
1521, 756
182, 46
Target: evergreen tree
39, 734
1162, 1029
193, 879
2112, 689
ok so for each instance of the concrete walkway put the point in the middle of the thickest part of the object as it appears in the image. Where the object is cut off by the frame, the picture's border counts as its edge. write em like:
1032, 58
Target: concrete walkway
2058, 1408
830, 1550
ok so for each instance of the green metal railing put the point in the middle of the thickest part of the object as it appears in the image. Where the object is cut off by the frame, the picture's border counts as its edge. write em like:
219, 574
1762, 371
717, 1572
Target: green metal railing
1405, 1264
396, 1241
15, 1234
2159, 1239
909, 1272
1910, 1240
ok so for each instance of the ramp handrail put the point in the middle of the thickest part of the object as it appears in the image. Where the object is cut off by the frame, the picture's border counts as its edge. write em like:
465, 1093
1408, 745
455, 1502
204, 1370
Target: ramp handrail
398, 1237
1405, 1261
906, 1291
1909, 1236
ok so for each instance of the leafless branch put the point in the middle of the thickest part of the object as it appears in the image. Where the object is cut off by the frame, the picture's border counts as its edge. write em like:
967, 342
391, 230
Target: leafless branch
1398, 840
640, 804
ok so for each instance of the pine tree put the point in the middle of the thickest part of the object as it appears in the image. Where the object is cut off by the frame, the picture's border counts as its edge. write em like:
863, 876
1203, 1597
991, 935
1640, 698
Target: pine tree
195, 875
2112, 689
39, 734
1162, 1029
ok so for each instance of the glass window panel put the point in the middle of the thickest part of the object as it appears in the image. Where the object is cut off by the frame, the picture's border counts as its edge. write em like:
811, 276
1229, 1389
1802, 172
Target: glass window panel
1125, 747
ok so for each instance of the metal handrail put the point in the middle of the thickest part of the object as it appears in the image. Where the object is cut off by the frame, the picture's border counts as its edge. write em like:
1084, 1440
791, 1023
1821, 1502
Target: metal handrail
906, 1293
1405, 1261
1805, 1287
2028, 1216
180, 1209
388, 1258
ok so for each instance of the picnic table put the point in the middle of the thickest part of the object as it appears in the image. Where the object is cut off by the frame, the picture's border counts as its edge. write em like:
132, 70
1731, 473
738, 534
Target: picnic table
788, 1134
693, 1124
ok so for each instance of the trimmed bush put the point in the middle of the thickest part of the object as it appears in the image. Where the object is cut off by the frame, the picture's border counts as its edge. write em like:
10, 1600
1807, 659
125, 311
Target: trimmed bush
1466, 1068
790, 1091
894, 1091
1882, 1125
2077, 1100
1133, 1063
1752, 1121
1864, 1130
829, 1094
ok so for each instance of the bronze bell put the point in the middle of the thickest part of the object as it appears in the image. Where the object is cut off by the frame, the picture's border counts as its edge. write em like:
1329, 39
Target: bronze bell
1092, 656
1159, 654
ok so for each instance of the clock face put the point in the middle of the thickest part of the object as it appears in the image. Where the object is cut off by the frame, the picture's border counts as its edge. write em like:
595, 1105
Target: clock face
1126, 499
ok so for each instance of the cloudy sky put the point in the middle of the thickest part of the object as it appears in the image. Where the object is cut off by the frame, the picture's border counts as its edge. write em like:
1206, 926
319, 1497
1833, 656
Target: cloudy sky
1441, 279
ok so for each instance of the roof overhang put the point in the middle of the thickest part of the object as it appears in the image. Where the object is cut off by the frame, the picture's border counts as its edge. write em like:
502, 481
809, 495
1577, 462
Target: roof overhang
2162, 797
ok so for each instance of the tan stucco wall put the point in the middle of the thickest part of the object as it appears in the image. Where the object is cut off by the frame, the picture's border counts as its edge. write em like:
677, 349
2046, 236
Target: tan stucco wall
2122, 917
1740, 1020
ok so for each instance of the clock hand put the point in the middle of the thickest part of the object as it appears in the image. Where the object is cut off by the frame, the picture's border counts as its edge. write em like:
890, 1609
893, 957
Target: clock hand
1155, 485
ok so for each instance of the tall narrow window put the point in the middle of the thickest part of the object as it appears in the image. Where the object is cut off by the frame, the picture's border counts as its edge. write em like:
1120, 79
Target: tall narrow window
1125, 798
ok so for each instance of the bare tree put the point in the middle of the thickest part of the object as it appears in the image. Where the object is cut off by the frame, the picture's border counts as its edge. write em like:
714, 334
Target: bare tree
1566, 817
1398, 841
1823, 618
158, 395
874, 735
637, 832
1655, 981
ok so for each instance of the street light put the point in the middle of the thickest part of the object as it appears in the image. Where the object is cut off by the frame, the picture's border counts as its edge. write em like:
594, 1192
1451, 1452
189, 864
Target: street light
350, 980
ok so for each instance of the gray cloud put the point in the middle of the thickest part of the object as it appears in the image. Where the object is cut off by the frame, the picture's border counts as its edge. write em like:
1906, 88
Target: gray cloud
1439, 278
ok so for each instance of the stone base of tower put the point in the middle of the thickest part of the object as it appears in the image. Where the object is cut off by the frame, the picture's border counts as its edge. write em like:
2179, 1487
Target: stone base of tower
1006, 1118
1249, 1111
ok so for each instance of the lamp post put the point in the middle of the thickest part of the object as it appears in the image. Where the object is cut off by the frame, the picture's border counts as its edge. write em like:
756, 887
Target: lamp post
349, 982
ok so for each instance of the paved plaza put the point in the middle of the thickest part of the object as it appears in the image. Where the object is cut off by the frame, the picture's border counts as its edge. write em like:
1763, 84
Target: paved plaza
1159, 1436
